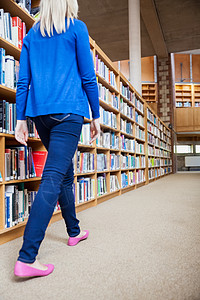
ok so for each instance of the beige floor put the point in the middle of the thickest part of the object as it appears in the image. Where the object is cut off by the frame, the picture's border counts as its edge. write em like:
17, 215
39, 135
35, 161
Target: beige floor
143, 245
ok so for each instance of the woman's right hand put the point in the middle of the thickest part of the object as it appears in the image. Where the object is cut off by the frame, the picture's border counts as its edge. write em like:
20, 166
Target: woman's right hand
94, 129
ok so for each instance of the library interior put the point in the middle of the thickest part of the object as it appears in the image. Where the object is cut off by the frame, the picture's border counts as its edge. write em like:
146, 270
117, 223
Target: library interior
137, 186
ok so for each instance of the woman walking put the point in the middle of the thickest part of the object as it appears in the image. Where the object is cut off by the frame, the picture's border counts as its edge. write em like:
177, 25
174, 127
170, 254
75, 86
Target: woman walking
56, 82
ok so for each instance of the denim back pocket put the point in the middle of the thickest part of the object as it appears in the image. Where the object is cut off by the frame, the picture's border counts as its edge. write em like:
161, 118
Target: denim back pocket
59, 117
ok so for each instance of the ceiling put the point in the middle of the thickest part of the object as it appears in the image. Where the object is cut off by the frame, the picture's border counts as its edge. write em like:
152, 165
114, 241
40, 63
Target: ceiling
167, 26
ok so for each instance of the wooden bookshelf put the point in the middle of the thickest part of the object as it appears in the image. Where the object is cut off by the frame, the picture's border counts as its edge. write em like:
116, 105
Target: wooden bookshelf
149, 92
187, 95
184, 95
142, 116
196, 94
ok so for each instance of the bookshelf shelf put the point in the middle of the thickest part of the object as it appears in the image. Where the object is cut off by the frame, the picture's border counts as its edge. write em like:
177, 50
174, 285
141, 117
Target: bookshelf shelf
7, 93
85, 202
10, 48
127, 118
108, 127
22, 180
85, 174
108, 106
136, 106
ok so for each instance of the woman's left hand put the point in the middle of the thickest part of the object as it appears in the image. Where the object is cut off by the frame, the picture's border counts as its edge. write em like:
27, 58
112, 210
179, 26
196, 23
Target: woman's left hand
21, 132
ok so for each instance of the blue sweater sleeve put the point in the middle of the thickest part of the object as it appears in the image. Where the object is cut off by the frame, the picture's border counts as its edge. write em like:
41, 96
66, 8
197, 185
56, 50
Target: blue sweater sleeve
24, 81
86, 68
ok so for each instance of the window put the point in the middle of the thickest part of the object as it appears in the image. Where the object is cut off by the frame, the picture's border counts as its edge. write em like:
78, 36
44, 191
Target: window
197, 148
184, 149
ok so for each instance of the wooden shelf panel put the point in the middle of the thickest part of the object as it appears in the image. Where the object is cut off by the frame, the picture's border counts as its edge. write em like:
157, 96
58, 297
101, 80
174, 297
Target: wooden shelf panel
7, 93
10, 49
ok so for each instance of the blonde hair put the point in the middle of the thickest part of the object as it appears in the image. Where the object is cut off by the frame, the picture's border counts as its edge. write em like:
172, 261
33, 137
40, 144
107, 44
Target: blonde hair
53, 13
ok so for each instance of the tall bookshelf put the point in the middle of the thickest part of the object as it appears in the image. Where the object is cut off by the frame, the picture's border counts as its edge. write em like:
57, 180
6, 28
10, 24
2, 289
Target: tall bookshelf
136, 128
149, 92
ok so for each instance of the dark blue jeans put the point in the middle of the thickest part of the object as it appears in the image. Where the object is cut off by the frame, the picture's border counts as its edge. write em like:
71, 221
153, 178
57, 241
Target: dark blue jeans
60, 134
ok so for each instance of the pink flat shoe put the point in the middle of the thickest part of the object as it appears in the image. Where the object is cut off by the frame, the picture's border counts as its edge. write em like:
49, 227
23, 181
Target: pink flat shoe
23, 270
72, 241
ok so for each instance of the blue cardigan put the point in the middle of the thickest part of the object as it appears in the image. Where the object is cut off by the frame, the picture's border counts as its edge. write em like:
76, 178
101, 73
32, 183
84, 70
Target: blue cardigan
57, 74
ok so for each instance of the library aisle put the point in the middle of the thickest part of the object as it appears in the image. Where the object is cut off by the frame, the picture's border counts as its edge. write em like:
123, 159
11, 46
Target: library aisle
143, 244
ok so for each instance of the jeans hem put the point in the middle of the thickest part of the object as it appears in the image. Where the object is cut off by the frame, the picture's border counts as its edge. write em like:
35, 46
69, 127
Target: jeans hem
26, 260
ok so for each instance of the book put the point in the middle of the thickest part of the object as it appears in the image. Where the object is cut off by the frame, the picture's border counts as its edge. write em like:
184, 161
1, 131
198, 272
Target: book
39, 159
19, 163
101, 184
18, 203
101, 162
114, 183
85, 189
85, 135
127, 144
25, 4
85, 162
107, 139
108, 118
2, 66
124, 180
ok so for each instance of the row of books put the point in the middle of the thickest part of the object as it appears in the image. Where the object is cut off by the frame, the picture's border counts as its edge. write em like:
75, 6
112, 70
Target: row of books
151, 174
101, 185
129, 161
127, 144
126, 109
152, 151
152, 117
132, 178
125, 91
184, 104
139, 133
85, 189
8, 120
139, 119
114, 183
108, 118
18, 203
153, 162
12, 29
85, 135
21, 162
139, 148
126, 126
102, 162
85, 162
25, 4
114, 161
9, 70
108, 97
108, 140
139, 105
157, 132
105, 72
